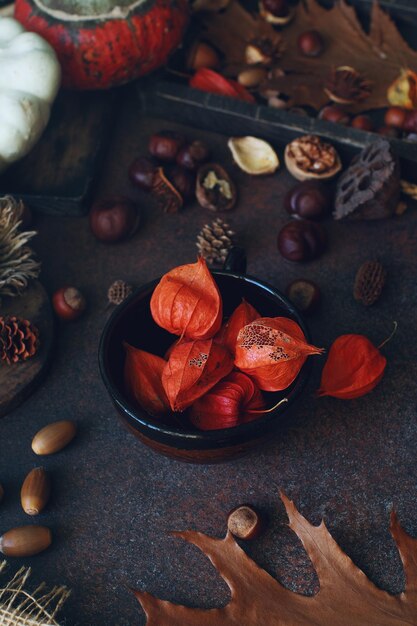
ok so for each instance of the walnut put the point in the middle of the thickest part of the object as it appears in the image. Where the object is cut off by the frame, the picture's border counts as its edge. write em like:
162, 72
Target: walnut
310, 157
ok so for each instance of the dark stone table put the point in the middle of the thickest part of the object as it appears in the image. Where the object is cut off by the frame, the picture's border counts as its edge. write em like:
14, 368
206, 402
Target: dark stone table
115, 501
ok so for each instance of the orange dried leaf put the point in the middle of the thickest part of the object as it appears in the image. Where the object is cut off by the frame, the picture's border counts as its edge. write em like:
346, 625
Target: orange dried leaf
228, 403
244, 314
187, 302
193, 368
353, 368
272, 351
346, 597
143, 380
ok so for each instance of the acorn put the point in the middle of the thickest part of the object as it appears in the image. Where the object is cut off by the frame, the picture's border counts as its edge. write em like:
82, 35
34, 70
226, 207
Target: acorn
25, 541
54, 437
35, 491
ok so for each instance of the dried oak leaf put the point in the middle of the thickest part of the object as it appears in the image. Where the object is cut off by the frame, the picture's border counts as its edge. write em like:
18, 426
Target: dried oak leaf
346, 597
379, 56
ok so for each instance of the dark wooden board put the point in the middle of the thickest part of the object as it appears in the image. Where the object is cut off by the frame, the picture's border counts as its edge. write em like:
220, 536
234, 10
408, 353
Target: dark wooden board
58, 174
19, 380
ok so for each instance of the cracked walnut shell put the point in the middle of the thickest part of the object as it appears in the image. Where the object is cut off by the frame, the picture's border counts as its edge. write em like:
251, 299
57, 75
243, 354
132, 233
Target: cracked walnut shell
309, 157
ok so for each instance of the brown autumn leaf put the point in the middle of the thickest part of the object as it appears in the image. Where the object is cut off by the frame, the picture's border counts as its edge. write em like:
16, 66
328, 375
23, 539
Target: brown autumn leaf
379, 55
346, 596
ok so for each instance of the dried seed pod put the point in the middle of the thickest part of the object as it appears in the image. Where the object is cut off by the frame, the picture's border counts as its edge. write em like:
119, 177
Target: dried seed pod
25, 541
168, 197
118, 291
253, 156
215, 190
214, 241
35, 491
245, 522
19, 339
369, 282
54, 437
345, 86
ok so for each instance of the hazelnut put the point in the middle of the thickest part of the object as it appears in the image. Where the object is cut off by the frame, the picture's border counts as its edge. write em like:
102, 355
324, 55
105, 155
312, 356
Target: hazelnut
388, 131
68, 303
310, 43
309, 157
362, 122
201, 54
193, 155
309, 199
245, 522
304, 294
395, 117
114, 219
165, 145
301, 240
275, 11
183, 181
142, 172
334, 113
215, 190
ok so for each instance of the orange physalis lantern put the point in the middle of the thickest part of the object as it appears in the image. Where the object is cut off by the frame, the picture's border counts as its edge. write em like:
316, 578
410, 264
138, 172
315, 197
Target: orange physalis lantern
187, 302
353, 368
193, 368
272, 351
228, 403
403, 91
244, 314
143, 380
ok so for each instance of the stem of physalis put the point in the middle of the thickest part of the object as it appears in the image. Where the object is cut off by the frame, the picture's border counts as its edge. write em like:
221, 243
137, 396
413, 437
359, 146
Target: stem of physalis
390, 337
271, 409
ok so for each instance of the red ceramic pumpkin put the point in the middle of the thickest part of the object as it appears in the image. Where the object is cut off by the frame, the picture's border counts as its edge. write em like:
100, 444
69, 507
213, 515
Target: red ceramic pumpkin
104, 43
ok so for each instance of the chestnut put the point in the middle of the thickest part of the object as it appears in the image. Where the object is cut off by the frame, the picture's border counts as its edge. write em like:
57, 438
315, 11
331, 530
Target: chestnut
68, 303
114, 219
310, 199
395, 117
301, 240
362, 122
142, 173
334, 113
388, 131
201, 54
304, 294
193, 155
165, 145
310, 43
183, 181
410, 124
278, 8
245, 522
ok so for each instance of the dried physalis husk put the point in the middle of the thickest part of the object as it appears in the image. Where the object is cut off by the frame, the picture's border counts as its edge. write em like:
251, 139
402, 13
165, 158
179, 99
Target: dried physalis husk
254, 156
272, 352
234, 400
168, 197
187, 302
143, 380
244, 314
403, 91
193, 368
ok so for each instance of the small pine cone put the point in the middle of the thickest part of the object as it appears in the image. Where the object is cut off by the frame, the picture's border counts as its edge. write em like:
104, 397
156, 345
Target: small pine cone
18, 339
215, 241
369, 282
118, 291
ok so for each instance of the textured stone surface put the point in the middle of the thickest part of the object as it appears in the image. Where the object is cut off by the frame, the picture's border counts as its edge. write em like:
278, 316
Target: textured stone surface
114, 501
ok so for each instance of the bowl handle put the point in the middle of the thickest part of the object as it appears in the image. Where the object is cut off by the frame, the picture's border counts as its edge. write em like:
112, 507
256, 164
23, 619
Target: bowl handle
236, 261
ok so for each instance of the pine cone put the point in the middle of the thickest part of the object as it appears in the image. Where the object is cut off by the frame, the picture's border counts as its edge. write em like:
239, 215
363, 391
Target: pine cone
118, 291
18, 339
214, 241
369, 282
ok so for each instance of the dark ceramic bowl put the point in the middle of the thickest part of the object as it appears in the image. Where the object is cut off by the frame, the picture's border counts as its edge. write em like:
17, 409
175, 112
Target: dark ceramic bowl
132, 322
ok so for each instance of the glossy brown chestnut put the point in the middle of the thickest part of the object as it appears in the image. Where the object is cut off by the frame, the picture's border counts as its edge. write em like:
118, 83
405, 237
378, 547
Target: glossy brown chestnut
142, 172
114, 219
304, 294
310, 43
362, 122
278, 8
193, 155
310, 199
68, 303
301, 240
245, 522
395, 117
388, 131
165, 145
201, 54
334, 113
183, 181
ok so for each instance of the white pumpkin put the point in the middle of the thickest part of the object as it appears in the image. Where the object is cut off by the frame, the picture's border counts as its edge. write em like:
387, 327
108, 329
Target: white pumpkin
30, 76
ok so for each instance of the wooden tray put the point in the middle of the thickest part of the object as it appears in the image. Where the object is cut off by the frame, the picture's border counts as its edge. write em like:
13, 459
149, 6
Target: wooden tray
58, 174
